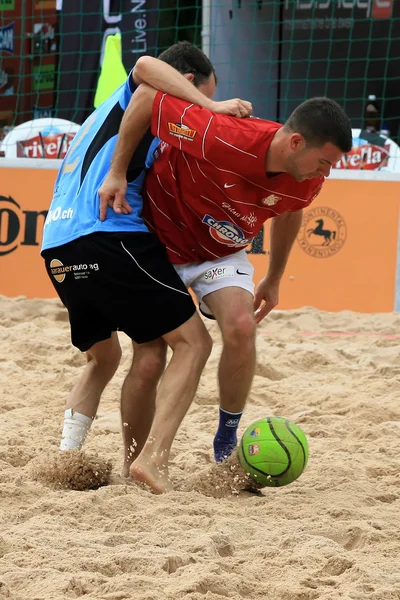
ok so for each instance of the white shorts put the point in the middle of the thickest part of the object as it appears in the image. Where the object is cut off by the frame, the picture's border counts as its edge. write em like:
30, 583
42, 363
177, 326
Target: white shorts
205, 277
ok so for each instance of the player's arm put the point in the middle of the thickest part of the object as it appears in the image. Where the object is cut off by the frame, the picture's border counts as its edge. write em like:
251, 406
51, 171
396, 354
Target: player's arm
134, 124
283, 232
161, 76
137, 119
237, 145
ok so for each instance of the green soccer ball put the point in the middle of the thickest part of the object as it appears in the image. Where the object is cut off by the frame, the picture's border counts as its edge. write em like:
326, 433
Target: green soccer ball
273, 451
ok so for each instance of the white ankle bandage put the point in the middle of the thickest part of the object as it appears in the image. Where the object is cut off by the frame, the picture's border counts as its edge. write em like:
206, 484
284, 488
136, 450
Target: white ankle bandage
75, 430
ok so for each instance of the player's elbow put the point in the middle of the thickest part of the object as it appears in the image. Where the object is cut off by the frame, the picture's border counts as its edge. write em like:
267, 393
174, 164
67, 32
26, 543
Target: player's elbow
143, 69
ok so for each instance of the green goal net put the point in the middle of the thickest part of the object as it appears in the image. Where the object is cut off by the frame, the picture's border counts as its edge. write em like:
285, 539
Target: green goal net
275, 53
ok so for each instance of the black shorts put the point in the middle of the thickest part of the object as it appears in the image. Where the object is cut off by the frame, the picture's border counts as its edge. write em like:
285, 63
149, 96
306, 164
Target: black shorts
118, 281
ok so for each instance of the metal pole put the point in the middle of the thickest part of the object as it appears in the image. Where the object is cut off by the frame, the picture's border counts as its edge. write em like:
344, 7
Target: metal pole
206, 27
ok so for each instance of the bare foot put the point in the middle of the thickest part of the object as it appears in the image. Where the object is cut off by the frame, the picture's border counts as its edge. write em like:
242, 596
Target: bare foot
152, 474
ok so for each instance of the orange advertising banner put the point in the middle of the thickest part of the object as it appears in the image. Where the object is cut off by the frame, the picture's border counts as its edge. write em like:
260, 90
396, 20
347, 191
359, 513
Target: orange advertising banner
25, 195
344, 257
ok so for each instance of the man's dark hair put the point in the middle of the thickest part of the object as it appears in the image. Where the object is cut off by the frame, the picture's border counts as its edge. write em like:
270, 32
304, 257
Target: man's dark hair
321, 120
186, 58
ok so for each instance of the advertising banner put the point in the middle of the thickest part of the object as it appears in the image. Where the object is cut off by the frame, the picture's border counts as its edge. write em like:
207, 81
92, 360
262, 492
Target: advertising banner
138, 24
39, 138
344, 257
25, 196
371, 152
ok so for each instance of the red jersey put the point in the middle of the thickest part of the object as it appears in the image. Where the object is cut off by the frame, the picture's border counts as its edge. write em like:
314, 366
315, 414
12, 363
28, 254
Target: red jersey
207, 194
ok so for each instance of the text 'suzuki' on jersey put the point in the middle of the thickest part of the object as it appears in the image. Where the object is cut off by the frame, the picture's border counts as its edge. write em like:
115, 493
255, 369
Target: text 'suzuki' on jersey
207, 194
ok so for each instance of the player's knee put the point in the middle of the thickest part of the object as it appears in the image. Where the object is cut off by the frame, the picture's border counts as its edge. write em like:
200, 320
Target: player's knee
150, 365
240, 331
110, 364
106, 363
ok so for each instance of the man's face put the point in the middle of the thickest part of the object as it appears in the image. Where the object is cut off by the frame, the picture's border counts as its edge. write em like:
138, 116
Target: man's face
306, 162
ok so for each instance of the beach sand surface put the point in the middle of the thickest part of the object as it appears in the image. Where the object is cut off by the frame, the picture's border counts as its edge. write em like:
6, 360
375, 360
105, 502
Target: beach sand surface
333, 534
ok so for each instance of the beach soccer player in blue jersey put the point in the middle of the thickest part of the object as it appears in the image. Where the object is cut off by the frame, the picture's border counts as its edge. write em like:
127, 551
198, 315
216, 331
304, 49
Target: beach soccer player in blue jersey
113, 275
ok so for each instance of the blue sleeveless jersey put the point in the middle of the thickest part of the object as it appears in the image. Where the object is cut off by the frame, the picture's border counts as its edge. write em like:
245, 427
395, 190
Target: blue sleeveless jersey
74, 210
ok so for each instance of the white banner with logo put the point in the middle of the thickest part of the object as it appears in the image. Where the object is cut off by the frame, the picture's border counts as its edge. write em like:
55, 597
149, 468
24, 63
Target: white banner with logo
39, 138
377, 153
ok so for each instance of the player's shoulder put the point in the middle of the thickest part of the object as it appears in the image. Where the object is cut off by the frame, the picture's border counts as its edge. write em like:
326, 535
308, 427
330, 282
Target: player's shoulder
264, 124
248, 132
252, 123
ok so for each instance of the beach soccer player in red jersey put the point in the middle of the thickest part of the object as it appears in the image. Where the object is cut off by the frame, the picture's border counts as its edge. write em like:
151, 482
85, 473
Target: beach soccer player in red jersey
214, 183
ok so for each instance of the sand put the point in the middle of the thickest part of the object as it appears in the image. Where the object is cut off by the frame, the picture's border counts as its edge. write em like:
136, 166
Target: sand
333, 534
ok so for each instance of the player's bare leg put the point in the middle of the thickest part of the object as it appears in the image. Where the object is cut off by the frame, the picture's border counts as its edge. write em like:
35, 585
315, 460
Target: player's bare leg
233, 309
191, 346
82, 403
138, 397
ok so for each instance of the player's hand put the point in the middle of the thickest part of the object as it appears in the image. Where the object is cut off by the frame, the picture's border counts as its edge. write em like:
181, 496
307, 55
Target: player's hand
266, 297
234, 108
112, 194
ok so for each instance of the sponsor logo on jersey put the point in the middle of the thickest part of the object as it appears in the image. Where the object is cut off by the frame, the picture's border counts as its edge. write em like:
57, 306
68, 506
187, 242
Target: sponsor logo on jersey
56, 214
249, 219
181, 131
271, 200
7, 39
219, 273
225, 232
